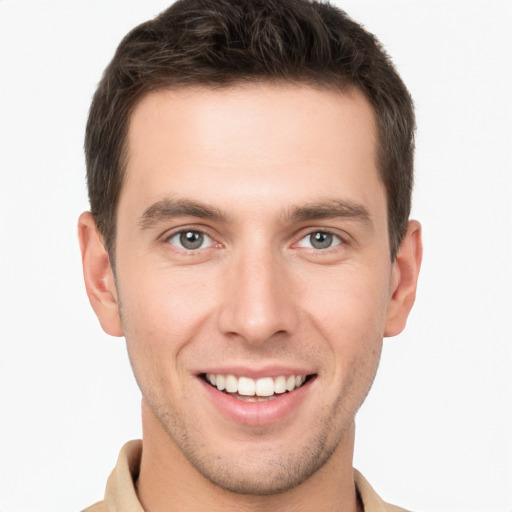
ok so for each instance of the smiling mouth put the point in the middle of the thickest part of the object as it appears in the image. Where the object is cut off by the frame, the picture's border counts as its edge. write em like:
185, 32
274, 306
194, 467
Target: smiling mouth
256, 390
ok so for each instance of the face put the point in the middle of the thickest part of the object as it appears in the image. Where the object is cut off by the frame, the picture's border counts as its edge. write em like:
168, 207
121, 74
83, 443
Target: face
253, 275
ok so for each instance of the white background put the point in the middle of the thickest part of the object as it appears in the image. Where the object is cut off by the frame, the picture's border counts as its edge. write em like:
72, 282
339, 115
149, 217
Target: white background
435, 432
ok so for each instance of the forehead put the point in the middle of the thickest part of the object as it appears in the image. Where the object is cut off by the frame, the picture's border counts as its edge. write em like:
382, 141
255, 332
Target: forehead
287, 141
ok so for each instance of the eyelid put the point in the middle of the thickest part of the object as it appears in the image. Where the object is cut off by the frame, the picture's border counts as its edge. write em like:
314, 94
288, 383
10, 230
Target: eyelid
205, 242
169, 234
344, 239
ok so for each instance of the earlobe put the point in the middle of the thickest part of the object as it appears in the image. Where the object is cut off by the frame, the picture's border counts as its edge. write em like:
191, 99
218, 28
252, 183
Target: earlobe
98, 276
406, 269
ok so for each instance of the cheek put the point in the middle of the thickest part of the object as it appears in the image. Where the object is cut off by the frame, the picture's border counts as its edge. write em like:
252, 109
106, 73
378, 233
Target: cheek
162, 305
348, 309
349, 303
161, 314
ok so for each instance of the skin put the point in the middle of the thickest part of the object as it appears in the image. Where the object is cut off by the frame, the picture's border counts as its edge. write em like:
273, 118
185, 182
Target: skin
263, 166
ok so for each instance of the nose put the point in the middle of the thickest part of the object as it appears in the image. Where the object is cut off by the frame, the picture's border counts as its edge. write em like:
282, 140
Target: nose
257, 299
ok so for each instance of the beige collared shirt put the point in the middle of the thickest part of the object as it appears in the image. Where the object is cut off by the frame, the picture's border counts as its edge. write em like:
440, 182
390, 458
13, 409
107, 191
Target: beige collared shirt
120, 495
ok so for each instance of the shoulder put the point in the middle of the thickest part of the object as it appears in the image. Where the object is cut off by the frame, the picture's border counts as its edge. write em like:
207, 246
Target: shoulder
394, 508
97, 507
372, 502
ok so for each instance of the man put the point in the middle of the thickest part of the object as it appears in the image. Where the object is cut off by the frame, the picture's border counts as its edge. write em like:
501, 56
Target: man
250, 172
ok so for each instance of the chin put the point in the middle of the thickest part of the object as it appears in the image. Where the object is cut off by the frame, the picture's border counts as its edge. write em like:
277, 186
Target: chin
258, 467
264, 476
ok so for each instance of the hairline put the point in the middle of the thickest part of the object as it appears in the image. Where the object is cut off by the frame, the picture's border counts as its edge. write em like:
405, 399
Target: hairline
336, 84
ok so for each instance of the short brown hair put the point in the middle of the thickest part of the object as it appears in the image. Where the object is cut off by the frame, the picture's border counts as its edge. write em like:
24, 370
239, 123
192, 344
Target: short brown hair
220, 43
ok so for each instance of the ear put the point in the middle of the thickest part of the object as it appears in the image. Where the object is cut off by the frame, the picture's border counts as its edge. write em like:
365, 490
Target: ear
98, 276
405, 271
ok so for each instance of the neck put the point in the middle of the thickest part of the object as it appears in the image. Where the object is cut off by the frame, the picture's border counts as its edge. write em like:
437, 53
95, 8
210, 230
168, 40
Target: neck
168, 481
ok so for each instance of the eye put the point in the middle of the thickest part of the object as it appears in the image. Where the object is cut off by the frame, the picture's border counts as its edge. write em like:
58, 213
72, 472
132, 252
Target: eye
190, 240
320, 240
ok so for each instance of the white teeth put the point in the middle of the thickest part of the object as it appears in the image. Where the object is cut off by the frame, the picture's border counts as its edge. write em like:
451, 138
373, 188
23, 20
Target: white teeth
246, 386
264, 387
219, 381
231, 384
255, 398
280, 385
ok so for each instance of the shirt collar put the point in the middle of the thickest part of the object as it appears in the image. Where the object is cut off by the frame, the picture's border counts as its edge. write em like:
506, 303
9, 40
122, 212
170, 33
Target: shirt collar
121, 496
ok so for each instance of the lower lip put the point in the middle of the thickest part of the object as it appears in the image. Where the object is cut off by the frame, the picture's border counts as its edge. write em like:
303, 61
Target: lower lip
257, 413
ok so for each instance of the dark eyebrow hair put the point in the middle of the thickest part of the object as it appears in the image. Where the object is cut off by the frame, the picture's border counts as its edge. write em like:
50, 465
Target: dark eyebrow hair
329, 209
169, 208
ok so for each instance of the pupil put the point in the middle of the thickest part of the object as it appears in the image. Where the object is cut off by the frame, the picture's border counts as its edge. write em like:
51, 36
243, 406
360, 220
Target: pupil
191, 239
321, 240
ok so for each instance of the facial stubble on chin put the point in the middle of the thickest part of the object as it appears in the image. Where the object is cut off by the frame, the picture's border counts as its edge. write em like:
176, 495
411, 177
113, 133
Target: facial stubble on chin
263, 473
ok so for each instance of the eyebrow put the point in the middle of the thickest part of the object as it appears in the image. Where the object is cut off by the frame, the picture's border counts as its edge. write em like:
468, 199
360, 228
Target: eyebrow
330, 209
170, 208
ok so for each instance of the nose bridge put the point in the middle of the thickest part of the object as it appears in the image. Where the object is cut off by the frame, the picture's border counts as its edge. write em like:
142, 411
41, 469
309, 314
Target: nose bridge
257, 303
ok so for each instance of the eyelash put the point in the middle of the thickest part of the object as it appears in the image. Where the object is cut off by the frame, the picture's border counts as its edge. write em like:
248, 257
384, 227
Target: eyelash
184, 232
204, 237
335, 240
